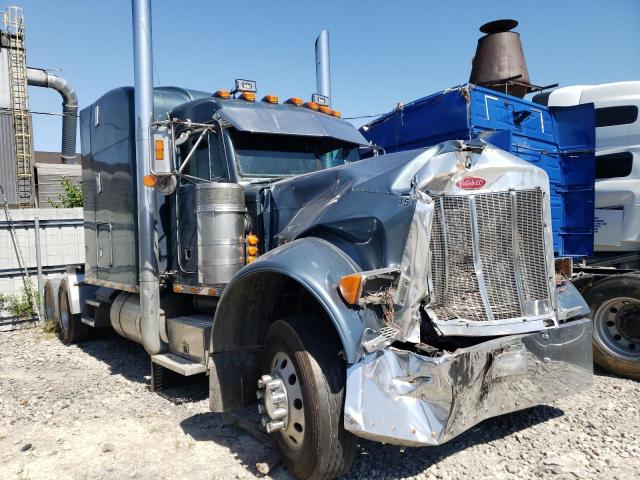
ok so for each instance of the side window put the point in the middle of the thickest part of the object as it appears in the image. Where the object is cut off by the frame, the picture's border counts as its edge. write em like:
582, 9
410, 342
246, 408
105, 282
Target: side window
614, 165
206, 162
621, 115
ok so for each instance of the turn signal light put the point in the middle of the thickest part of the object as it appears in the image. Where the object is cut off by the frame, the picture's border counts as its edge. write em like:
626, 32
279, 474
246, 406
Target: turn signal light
335, 113
222, 94
270, 99
350, 288
295, 101
253, 251
252, 239
149, 181
312, 105
159, 149
248, 96
324, 109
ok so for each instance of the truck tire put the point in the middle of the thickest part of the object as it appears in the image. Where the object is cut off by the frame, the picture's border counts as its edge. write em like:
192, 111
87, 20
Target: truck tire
70, 328
306, 355
615, 310
51, 310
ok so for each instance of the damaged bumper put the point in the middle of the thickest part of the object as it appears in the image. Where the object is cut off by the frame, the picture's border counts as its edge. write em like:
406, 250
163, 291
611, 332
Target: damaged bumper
400, 397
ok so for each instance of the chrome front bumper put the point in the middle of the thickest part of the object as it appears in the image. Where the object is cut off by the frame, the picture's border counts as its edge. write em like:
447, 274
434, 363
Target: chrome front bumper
400, 397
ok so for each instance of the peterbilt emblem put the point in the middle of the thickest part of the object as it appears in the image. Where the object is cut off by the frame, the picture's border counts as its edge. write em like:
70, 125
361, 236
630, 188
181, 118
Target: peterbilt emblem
470, 183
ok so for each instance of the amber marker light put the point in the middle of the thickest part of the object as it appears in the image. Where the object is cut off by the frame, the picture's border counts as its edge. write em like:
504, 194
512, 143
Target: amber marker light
252, 239
159, 149
270, 99
298, 102
251, 259
312, 106
350, 288
222, 94
324, 109
252, 251
149, 181
248, 96
335, 113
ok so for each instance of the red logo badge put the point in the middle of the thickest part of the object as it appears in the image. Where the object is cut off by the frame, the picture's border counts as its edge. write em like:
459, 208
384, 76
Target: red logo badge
471, 183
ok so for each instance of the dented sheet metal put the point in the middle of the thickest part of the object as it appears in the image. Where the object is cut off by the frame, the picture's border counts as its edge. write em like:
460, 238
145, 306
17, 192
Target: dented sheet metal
285, 119
400, 397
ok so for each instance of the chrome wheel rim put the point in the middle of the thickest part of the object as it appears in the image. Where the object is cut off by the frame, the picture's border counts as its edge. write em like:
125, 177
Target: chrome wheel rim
294, 425
617, 326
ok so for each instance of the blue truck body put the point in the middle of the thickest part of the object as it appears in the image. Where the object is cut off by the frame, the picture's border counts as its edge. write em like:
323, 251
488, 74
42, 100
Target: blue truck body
560, 140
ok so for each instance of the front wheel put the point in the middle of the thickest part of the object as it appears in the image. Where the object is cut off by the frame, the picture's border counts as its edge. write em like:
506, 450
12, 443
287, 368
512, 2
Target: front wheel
615, 310
303, 398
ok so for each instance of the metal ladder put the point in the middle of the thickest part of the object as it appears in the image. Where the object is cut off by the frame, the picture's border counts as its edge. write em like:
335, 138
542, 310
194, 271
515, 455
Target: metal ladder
14, 28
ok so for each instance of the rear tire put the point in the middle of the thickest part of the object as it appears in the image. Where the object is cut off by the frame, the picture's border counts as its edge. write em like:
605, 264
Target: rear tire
51, 309
319, 448
615, 310
70, 328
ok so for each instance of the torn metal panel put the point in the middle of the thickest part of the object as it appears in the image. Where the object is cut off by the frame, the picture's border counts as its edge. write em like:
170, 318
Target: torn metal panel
414, 271
570, 304
400, 397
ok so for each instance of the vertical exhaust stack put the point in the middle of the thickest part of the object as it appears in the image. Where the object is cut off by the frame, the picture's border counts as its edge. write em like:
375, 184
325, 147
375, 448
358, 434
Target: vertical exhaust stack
148, 277
499, 61
323, 73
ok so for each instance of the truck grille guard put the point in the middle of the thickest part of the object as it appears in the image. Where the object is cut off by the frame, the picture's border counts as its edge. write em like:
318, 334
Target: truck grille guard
488, 264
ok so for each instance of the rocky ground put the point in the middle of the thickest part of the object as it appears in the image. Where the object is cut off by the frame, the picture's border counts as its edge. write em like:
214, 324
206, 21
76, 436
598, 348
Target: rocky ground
86, 412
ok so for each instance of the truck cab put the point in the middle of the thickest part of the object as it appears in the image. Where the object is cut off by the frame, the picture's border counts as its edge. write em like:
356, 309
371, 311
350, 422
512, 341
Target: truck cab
401, 298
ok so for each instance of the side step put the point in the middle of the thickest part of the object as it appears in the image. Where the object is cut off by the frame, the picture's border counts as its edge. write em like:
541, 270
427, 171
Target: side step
178, 364
169, 370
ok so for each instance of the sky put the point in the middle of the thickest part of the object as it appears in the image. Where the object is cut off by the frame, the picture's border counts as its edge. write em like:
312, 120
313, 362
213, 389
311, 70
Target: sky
381, 52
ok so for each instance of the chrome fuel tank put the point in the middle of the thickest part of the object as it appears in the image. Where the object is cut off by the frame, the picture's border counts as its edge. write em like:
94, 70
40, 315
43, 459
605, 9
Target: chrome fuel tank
220, 217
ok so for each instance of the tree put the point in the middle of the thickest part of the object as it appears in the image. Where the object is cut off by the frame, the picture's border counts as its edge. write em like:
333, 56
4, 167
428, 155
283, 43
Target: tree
72, 196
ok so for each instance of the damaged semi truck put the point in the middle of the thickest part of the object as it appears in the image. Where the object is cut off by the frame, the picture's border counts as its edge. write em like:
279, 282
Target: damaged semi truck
402, 298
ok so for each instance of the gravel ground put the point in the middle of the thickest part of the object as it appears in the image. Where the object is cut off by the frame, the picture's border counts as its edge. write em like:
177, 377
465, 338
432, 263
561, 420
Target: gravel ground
86, 412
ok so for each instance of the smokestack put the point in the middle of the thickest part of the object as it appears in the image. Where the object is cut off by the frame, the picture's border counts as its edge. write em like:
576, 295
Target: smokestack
148, 277
499, 61
323, 74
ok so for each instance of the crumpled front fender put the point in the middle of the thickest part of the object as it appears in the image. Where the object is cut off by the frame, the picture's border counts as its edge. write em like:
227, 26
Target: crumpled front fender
317, 265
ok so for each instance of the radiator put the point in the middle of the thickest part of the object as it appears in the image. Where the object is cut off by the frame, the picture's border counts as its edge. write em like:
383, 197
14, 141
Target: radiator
488, 259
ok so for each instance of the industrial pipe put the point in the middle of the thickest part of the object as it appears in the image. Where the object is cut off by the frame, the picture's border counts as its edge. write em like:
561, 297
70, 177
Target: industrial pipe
148, 277
323, 74
40, 78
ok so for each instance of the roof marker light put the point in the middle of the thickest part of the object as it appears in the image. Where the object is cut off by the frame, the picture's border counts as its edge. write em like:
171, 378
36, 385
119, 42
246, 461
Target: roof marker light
324, 109
270, 99
298, 102
222, 94
335, 113
312, 105
248, 96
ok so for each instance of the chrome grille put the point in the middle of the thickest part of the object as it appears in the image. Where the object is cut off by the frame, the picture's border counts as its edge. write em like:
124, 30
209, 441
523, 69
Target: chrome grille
507, 261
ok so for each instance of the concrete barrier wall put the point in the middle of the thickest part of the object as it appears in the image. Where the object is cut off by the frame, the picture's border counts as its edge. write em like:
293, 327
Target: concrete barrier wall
61, 243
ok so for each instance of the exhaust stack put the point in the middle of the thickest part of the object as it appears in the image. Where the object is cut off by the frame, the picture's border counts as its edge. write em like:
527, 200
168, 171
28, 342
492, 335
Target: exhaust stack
499, 61
148, 277
323, 73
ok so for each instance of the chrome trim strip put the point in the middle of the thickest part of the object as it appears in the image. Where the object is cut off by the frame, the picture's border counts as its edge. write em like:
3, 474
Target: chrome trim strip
477, 263
515, 238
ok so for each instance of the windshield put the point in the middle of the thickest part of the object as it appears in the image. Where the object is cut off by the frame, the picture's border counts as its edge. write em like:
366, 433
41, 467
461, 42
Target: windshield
265, 156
